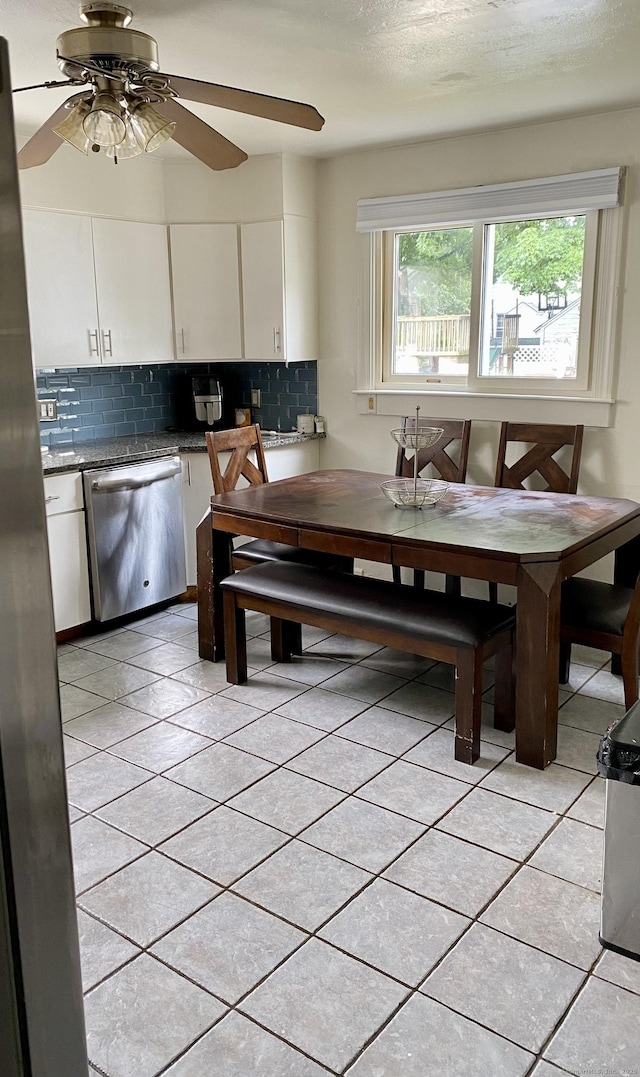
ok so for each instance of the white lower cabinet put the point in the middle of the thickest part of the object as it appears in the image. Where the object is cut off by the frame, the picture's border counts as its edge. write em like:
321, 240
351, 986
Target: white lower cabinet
196, 491
282, 462
67, 550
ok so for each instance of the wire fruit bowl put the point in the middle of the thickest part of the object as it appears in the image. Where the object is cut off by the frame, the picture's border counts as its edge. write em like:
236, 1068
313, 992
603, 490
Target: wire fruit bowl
414, 494
422, 438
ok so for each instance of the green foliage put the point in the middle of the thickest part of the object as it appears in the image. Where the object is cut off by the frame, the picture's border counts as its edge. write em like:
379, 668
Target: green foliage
542, 257
435, 271
434, 268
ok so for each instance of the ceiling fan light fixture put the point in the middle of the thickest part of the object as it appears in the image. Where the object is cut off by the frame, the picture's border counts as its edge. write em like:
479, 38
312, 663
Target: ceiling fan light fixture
71, 129
152, 128
131, 146
104, 124
125, 88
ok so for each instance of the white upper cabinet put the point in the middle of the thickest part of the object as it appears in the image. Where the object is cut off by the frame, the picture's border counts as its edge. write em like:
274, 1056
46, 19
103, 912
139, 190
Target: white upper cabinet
263, 290
134, 298
279, 289
98, 290
206, 291
61, 289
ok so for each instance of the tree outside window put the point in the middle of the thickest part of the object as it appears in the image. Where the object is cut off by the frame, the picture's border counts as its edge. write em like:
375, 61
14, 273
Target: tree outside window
530, 304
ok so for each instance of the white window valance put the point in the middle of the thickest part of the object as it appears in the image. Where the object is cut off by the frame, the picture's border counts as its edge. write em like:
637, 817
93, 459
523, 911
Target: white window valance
577, 192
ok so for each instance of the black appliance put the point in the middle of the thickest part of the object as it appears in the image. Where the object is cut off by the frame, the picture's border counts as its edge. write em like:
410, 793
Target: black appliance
207, 402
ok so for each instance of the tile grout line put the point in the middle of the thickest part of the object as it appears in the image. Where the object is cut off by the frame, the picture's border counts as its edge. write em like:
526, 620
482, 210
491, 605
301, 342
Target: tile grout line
375, 876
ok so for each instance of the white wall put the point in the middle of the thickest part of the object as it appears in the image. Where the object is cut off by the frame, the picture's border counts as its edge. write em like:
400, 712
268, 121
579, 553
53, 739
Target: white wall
171, 189
611, 457
193, 192
93, 184
259, 189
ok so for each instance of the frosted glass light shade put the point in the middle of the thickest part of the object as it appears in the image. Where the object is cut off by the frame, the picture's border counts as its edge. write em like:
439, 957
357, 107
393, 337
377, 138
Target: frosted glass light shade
104, 124
153, 129
71, 129
131, 146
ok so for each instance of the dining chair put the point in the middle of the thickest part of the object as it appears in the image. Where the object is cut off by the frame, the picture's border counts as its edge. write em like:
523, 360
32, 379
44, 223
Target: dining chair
240, 443
452, 468
538, 463
545, 440
606, 616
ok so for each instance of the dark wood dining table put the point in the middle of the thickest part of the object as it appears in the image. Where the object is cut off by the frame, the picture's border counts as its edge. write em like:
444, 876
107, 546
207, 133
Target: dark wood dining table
530, 539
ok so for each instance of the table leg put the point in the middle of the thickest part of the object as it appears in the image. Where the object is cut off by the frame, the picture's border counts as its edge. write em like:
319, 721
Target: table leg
537, 663
213, 556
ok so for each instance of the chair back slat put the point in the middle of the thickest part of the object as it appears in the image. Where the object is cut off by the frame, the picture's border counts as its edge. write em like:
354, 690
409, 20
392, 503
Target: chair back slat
546, 440
454, 431
239, 443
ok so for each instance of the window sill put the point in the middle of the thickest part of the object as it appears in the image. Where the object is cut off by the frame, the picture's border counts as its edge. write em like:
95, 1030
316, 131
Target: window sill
463, 404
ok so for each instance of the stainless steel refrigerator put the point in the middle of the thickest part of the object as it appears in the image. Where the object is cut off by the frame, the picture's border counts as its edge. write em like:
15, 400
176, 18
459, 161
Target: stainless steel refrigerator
41, 1016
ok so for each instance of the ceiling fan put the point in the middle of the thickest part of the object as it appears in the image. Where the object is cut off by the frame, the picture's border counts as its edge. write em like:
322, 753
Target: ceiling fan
129, 106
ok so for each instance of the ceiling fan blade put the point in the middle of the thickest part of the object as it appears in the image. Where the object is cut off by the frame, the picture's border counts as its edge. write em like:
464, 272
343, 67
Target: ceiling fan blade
194, 135
255, 104
44, 143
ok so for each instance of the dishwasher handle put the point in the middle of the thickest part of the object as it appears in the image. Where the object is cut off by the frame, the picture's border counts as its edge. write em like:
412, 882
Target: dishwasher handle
147, 474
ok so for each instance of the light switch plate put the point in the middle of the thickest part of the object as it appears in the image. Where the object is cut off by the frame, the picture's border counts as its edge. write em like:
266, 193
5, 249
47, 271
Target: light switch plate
255, 398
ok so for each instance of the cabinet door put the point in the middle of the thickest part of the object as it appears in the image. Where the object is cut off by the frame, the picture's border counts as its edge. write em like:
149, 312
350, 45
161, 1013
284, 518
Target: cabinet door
197, 489
283, 461
69, 569
61, 290
134, 298
64, 505
263, 290
196, 494
206, 291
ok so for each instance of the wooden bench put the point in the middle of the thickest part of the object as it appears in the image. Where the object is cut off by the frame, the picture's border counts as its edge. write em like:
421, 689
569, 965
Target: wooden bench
463, 632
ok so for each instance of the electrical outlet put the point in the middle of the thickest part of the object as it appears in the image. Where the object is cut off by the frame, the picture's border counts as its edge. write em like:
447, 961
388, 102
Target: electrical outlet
47, 410
371, 403
255, 398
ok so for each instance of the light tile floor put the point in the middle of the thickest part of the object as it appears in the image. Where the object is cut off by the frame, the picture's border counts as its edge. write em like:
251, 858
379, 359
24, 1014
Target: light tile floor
295, 877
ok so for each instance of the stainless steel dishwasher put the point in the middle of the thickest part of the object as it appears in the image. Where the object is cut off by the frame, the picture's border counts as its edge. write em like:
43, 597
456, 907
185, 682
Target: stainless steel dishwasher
136, 538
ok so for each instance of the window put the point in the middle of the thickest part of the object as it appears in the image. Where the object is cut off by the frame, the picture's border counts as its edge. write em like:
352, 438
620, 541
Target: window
506, 289
428, 309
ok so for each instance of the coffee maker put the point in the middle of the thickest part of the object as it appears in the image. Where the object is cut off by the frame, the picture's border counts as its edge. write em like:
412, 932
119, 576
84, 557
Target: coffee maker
207, 401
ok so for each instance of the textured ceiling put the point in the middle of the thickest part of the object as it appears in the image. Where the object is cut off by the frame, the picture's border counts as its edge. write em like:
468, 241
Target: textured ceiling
380, 71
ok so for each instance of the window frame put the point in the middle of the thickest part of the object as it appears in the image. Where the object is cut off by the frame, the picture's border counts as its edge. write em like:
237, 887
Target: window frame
597, 325
474, 381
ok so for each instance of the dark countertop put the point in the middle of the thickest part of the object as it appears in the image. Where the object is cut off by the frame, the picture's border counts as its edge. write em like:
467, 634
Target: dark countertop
129, 450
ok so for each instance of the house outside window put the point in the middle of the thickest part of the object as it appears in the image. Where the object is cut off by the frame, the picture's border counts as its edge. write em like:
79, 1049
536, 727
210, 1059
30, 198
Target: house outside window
508, 289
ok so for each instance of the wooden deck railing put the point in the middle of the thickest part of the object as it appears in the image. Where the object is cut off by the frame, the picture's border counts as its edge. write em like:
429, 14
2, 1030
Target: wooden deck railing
445, 335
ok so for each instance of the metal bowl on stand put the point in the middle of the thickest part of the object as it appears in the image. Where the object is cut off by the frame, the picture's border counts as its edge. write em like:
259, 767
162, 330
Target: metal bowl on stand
407, 494
415, 493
